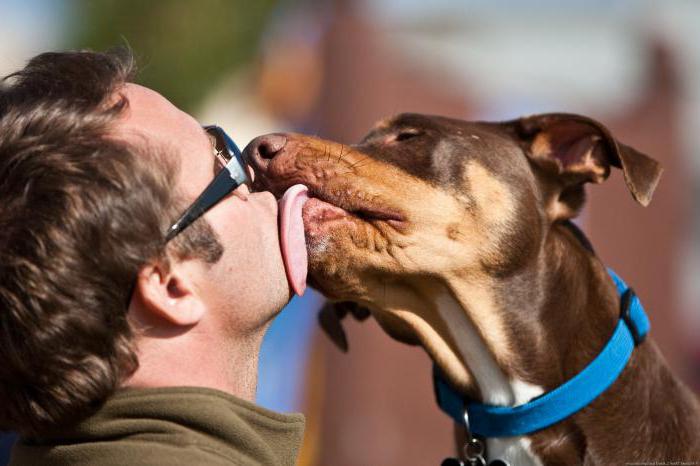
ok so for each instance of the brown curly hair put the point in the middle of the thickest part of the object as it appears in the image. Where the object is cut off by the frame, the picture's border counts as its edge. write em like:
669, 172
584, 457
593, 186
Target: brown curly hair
80, 212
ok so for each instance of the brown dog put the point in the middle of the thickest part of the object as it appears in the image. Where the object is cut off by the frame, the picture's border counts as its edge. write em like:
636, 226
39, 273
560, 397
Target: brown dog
457, 237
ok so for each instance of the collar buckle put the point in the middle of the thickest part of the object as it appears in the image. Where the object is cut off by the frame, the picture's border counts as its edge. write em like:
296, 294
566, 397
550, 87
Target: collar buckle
628, 300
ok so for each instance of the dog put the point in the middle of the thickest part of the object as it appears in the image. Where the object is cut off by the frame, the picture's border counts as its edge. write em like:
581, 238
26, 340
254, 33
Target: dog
458, 236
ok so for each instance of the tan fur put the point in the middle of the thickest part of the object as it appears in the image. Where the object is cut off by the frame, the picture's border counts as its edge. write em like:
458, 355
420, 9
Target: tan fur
493, 198
541, 146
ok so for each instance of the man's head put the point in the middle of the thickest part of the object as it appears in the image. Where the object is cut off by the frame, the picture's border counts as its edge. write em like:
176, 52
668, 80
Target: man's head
93, 170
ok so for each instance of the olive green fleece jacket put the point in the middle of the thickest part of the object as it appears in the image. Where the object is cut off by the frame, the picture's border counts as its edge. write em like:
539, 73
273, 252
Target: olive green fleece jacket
170, 426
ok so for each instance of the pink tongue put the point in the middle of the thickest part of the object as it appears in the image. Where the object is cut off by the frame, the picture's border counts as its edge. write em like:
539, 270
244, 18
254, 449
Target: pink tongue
292, 238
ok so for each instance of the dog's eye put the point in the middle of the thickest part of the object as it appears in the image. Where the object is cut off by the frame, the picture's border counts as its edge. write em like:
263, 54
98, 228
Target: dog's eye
408, 133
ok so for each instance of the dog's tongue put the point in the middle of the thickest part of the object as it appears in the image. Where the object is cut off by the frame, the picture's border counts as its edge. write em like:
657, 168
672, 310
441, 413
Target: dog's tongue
292, 238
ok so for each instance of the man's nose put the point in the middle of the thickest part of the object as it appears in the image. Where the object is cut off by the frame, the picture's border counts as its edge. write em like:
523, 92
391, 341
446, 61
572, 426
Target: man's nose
263, 149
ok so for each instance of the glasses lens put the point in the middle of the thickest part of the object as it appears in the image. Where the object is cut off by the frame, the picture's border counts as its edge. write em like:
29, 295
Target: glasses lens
231, 146
229, 153
224, 143
219, 145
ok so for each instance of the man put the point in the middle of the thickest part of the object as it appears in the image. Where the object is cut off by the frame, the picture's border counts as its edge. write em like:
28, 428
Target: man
129, 333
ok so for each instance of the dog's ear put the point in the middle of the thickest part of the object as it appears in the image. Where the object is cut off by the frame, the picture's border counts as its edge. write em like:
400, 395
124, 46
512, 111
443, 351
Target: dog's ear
330, 318
573, 150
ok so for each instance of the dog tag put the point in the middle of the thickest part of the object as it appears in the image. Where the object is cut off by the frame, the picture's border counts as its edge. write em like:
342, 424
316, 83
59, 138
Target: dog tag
471, 462
451, 462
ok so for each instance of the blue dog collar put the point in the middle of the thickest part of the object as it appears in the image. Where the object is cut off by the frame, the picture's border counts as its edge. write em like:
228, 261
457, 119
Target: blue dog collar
565, 400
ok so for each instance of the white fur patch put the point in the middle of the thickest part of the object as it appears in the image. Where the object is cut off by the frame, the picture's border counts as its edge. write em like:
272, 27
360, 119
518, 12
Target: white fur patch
513, 450
524, 391
491, 381
497, 389
516, 450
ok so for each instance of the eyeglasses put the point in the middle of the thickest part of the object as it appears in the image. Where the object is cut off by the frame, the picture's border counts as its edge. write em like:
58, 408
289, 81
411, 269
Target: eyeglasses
231, 176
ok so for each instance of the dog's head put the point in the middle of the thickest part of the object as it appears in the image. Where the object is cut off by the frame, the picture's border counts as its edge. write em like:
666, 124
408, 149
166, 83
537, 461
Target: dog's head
425, 204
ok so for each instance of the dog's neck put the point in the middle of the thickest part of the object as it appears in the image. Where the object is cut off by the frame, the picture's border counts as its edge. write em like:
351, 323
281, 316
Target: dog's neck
534, 331
491, 381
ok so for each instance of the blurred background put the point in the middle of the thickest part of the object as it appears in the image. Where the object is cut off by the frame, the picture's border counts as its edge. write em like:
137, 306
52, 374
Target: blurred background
334, 67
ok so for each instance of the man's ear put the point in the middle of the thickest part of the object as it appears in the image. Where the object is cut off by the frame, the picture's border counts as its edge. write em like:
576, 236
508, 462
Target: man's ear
167, 291
573, 150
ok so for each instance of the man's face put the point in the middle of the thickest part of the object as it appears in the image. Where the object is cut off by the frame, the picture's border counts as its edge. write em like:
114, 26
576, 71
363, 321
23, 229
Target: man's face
247, 286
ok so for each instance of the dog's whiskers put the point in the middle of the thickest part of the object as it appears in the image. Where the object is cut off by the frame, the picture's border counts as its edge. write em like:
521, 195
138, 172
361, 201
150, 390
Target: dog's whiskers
342, 147
357, 165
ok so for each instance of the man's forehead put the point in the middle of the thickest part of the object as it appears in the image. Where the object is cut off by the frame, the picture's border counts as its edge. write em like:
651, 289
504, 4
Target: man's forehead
150, 114
145, 102
151, 118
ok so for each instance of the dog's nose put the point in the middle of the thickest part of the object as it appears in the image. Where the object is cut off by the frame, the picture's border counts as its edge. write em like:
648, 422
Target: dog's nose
264, 148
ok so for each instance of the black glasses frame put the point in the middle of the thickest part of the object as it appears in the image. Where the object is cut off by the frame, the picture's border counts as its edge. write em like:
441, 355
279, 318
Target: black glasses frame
229, 178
